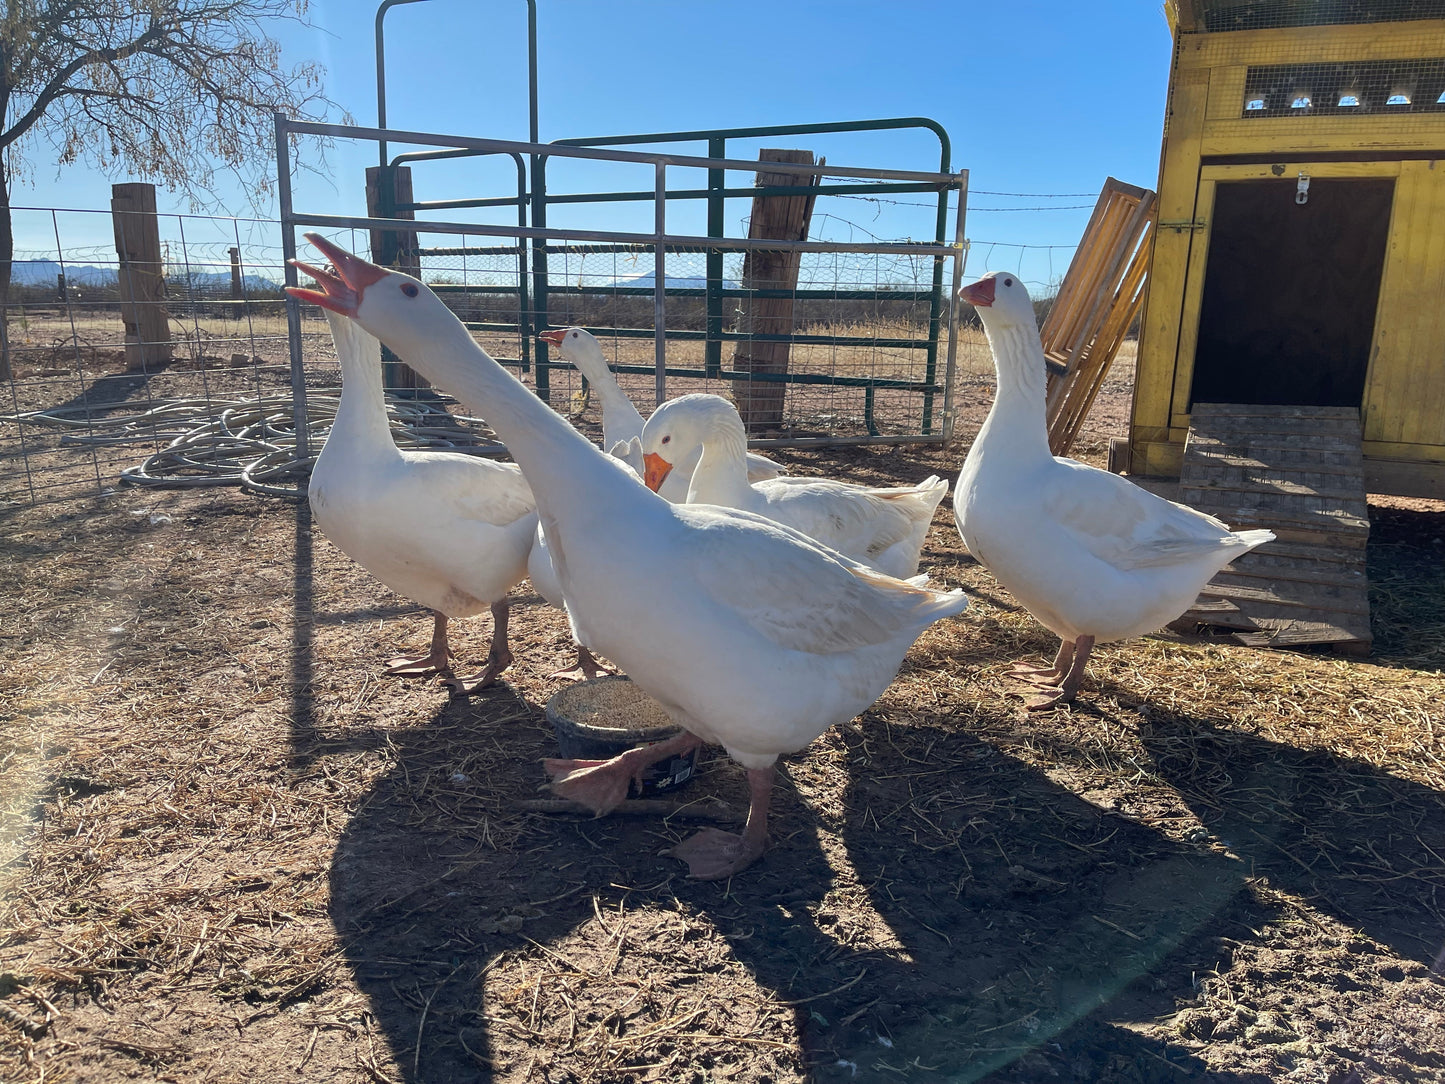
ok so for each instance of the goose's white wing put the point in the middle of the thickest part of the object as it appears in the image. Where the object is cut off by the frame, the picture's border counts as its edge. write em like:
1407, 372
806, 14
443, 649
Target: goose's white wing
798, 594
863, 522
1124, 525
471, 487
629, 452
761, 468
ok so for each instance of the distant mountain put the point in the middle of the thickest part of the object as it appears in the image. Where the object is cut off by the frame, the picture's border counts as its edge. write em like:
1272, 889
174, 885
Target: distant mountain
211, 281
43, 272
673, 282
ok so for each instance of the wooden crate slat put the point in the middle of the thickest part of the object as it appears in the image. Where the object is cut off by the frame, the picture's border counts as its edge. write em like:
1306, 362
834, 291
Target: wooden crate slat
1269, 410
1280, 569
1258, 444
1097, 301
1313, 551
1283, 512
1292, 633
1276, 425
1283, 483
1289, 595
1287, 462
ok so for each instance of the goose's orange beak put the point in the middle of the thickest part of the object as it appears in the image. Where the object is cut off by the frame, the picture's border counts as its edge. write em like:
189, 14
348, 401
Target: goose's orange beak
978, 294
655, 470
340, 291
553, 336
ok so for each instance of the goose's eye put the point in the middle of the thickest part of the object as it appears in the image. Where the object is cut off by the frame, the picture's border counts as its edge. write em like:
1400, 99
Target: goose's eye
667, 439
409, 288
1008, 282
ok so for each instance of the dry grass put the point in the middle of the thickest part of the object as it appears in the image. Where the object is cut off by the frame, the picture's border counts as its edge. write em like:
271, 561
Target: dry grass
236, 853
231, 852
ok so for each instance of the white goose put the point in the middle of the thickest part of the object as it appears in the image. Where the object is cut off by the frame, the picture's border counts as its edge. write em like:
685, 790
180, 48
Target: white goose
448, 530
621, 420
621, 427
882, 527
749, 634
1091, 555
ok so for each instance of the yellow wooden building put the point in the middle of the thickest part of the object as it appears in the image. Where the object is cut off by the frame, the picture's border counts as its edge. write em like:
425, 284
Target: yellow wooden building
1299, 256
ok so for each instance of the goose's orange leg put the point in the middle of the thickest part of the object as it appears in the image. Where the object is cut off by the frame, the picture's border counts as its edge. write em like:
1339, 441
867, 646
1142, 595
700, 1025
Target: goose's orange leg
602, 785
436, 660
498, 658
1069, 686
585, 668
1046, 675
713, 855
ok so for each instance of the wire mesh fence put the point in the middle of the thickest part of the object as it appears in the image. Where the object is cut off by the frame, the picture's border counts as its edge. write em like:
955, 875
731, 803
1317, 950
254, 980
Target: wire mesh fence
863, 318
170, 364
176, 374
89, 394
92, 405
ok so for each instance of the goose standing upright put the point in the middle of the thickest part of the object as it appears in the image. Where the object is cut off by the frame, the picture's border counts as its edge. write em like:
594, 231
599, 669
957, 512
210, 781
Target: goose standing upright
747, 633
1091, 555
882, 527
448, 530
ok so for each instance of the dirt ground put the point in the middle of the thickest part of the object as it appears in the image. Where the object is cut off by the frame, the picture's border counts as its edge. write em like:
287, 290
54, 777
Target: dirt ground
234, 852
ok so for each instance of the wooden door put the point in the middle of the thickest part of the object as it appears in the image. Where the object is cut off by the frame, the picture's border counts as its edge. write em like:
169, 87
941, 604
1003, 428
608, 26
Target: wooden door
1290, 291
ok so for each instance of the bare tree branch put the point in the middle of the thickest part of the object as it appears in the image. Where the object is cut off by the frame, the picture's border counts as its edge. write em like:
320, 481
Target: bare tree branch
164, 90
204, 73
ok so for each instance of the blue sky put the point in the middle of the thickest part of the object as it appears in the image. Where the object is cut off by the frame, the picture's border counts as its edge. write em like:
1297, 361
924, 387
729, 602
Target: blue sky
1042, 97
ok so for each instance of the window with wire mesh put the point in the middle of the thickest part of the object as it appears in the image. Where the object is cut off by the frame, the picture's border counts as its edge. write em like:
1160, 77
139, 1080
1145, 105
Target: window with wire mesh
1367, 87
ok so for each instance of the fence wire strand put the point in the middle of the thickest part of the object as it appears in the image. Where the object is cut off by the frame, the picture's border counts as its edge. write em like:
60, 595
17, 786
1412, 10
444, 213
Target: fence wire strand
92, 403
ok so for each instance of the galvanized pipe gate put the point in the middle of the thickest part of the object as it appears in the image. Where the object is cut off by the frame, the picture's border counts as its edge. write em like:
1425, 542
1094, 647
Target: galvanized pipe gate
541, 240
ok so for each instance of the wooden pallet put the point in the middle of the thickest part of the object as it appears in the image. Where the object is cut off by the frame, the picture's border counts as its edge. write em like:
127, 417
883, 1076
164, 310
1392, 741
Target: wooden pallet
1097, 302
1298, 471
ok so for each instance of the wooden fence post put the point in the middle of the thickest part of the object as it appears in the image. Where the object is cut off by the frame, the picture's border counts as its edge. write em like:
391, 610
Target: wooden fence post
142, 274
782, 218
385, 189
238, 287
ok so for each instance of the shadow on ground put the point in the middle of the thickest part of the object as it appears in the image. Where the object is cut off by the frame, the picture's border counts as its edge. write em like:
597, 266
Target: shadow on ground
958, 912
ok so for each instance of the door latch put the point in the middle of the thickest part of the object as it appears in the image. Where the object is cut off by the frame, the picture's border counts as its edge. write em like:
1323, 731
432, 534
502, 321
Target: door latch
1302, 189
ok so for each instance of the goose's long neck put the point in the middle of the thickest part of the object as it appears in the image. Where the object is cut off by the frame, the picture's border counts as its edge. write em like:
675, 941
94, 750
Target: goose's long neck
620, 417
361, 421
721, 474
1018, 418
562, 466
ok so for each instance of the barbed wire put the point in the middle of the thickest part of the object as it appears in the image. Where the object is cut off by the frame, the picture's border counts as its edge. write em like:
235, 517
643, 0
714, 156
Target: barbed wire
1014, 244
1065, 207
1033, 195
971, 208
188, 257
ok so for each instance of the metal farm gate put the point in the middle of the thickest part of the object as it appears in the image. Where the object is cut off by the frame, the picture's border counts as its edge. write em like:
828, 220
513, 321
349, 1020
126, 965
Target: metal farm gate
859, 341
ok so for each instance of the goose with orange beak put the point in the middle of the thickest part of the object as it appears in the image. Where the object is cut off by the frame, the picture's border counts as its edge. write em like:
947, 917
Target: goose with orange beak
749, 634
1091, 555
882, 526
621, 420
